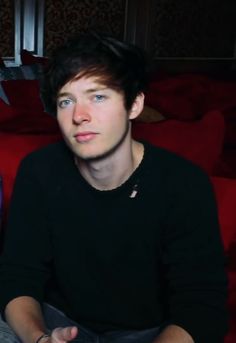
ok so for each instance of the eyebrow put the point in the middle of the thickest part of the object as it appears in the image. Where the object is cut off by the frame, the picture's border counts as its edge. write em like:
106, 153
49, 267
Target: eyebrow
87, 91
60, 95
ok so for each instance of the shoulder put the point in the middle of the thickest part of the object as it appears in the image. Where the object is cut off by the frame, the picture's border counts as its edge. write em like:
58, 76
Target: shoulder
169, 160
46, 160
49, 153
175, 171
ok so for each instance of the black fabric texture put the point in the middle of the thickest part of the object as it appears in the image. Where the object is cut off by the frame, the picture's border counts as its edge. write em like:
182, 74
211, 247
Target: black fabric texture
111, 261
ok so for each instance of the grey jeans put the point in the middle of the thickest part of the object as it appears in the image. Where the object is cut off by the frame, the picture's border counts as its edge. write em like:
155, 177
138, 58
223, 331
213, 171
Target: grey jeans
55, 318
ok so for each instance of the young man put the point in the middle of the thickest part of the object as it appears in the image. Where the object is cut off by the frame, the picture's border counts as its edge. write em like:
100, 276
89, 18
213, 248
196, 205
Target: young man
109, 239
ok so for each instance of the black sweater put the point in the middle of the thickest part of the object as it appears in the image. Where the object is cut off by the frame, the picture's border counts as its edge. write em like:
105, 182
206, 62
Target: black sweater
112, 261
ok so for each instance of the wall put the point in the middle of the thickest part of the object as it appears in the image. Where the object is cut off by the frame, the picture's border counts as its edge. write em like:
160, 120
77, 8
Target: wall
168, 29
197, 28
7, 28
64, 18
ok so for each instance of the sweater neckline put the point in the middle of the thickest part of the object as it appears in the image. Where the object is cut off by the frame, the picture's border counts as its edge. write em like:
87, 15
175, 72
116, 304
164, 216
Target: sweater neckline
128, 187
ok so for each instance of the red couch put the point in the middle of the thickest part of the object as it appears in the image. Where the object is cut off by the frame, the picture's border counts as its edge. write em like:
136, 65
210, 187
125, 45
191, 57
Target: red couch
199, 124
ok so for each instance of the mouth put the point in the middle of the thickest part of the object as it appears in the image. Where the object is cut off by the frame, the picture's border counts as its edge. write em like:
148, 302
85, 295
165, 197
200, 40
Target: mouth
84, 137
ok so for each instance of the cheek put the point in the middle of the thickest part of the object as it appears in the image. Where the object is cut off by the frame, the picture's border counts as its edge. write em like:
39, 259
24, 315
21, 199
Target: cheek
114, 114
63, 120
59, 120
113, 124
121, 119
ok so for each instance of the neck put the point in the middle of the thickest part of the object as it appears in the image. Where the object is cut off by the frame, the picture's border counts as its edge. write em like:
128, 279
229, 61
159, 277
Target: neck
112, 171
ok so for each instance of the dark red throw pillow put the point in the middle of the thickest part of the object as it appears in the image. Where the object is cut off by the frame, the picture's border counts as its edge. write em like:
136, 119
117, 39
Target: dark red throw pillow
23, 120
200, 141
189, 96
6, 112
181, 97
23, 93
225, 190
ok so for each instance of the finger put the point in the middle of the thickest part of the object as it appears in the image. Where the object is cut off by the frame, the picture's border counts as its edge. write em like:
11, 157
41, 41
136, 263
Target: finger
73, 332
65, 334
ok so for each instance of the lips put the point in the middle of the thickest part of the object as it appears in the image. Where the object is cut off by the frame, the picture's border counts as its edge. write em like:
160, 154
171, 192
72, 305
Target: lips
83, 137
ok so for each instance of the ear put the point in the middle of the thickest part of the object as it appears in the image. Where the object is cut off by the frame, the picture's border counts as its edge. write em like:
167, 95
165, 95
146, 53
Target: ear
137, 106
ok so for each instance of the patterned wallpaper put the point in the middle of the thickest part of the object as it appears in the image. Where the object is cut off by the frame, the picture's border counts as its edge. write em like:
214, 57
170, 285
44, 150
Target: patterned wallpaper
64, 18
6, 28
183, 28
195, 28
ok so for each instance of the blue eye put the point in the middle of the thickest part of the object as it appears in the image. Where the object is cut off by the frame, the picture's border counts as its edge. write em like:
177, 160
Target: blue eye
99, 98
64, 103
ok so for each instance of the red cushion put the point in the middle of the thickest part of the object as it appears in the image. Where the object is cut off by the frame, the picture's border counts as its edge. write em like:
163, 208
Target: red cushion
226, 166
199, 141
182, 97
222, 96
225, 190
6, 112
23, 93
230, 134
190, 96
25, 121
28, 58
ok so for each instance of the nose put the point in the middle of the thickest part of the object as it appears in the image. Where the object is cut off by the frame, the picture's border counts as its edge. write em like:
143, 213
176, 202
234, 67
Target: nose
80, 114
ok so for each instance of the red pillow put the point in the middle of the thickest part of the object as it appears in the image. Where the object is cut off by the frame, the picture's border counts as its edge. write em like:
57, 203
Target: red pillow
230, 131
6, 112
23, 93
222, 96
225, 190
200, 141
26, 123
189, 96
28, 58
182, 97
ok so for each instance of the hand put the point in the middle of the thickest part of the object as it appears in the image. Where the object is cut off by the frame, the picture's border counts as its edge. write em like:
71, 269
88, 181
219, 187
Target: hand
63, 335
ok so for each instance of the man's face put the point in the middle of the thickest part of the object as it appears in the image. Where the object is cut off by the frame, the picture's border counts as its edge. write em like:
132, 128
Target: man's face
92, 118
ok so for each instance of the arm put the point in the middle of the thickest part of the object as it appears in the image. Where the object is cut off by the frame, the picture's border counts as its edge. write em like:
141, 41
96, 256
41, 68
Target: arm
24, 315
25, 265
194, 261
173, 334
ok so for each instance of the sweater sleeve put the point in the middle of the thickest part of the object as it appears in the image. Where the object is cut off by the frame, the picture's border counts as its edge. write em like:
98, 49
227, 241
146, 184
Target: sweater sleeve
194, 260
24, 267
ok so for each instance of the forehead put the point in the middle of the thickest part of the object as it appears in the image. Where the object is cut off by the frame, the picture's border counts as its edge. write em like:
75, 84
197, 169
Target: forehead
88, 84
84, 83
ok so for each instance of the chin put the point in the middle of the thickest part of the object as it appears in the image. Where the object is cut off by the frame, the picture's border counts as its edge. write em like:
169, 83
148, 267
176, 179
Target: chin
97, 154
94, 156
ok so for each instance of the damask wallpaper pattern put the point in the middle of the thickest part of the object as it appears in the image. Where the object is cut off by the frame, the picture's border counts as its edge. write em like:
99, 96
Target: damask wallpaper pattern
64, 18
6, 28
184, 28
199, 28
